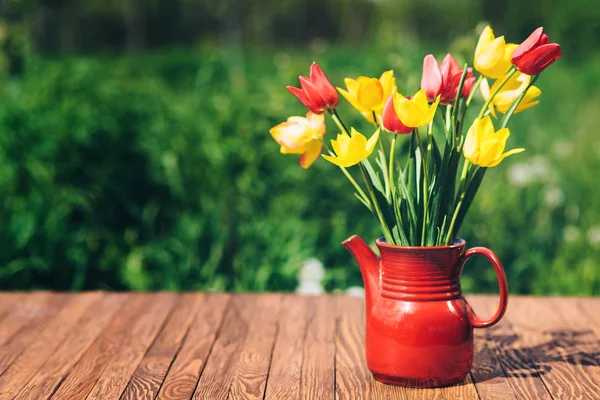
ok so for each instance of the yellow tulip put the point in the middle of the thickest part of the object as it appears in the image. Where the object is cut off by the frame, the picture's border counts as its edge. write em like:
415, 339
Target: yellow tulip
509, 93
299, 135
484, 146
415, 112
493, 54
350, 150
368, 95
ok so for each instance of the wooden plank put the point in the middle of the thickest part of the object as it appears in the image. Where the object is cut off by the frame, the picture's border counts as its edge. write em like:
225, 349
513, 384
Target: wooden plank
533, 319
184, 374
47, 340
352, 377
285, 374
250, 378
591, 307
487, 372
84, 374
49, 376
577, 336
239, 363
117, 373
517, 364
26, 308
8, 301
318, 365
303, 362
149, 375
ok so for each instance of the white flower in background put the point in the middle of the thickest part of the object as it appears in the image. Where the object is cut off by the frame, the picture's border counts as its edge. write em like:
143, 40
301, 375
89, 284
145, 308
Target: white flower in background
355, 291
537, 170
554, 197
519, 175
571, 234
310, 288
312, 270
593, 235
310, 277
563, 148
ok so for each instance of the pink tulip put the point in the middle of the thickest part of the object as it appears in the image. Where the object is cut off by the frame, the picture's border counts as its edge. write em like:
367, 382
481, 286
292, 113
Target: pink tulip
443, 80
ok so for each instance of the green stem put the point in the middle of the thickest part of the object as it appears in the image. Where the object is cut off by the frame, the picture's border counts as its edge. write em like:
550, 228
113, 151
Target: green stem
384, 227
462, 192
391, 166
425, 187
474, 90
489, 101
514, 106
350, 178
336, 118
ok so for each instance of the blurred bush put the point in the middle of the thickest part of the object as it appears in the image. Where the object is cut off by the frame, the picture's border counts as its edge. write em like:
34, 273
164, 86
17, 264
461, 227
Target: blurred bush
158, 172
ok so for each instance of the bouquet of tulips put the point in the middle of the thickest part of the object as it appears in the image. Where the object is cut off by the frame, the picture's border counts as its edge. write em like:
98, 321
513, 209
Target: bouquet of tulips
421, 195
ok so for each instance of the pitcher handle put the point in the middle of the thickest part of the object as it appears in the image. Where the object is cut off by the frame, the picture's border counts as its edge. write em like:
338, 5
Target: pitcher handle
502, 284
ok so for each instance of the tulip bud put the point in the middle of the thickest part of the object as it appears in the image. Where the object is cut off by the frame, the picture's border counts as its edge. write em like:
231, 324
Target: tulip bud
316, 93
535, 53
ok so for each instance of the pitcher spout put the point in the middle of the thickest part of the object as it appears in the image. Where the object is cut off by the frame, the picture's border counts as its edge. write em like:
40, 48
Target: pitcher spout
368, 262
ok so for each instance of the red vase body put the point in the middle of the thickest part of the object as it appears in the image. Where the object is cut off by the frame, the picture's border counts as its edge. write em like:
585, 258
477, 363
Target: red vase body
419, 326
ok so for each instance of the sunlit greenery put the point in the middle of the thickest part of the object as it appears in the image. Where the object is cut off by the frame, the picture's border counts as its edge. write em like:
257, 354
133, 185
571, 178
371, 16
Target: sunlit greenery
158, 172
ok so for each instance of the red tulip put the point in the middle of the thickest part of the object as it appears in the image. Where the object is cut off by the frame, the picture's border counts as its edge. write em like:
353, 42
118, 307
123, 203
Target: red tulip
443, 80
390, 119
535, 53
316, 93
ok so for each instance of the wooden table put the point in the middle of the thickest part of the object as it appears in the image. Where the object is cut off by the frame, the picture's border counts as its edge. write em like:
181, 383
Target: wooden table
272, 346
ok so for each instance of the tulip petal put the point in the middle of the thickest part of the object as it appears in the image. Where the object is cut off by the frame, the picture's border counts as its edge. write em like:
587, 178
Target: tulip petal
312, 152
370, 92
531, 42
372, 142
335, 160
407, 111
323, 86
388, 82
390, 120
539, 58
503, 156
449, 66
431, 80
304, 99
352, 100
486, 37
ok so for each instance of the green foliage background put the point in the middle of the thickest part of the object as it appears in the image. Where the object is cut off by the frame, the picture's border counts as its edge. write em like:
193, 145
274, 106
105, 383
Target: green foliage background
156, 170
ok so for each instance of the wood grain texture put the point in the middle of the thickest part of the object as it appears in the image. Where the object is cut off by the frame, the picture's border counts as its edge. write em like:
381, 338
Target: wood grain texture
148, 377
487, 373
85, 373
574, 334
272, 346
32, 322
240, 359
519, 367
51, 373
117, 373
539, 326
285, 376
318, 364
25, 308
303, 362
181, 380
47, 340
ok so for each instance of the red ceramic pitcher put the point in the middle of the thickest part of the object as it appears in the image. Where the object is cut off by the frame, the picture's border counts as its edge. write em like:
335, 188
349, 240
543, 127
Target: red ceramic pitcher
419, 326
